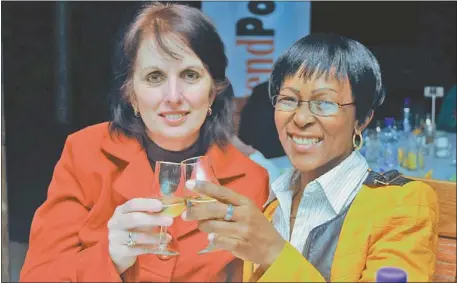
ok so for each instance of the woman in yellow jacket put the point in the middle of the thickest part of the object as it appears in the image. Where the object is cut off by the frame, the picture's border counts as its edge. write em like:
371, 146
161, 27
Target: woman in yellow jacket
330, 218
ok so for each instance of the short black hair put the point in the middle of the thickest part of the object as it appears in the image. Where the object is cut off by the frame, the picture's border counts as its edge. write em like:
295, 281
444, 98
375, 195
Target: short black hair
199, 34
317, 53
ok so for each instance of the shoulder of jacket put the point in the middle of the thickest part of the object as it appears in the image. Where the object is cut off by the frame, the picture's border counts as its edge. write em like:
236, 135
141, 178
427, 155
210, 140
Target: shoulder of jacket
90, 134
392, 188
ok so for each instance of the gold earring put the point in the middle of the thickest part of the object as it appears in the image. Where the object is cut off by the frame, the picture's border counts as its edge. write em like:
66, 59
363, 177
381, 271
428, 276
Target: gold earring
354, 143
210, 111
135, 111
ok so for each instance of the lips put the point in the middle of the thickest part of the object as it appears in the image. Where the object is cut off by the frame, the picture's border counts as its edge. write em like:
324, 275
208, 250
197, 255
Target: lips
174, 118
305, 143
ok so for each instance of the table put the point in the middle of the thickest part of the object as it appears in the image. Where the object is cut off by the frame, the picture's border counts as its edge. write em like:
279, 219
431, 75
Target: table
443, 168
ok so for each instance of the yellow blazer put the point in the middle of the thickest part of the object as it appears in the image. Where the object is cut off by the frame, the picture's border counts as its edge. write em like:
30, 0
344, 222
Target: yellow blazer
385, 226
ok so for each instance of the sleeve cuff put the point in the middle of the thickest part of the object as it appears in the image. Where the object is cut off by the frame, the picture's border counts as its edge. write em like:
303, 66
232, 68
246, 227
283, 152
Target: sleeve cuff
97, 266
291, 266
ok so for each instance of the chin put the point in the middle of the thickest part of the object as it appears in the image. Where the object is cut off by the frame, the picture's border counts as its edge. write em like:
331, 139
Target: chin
304, 164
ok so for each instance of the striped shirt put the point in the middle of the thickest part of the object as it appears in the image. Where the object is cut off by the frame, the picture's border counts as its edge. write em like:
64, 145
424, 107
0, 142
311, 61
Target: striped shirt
322, 198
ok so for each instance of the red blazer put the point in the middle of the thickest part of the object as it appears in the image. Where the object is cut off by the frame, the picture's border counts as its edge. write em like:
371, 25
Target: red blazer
95, 174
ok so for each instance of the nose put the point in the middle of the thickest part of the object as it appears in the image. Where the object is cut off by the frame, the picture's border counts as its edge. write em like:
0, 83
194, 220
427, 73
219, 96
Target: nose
303, 115
173, 93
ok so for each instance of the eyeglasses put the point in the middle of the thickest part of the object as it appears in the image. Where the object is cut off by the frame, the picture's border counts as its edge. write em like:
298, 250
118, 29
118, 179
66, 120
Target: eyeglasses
318, 107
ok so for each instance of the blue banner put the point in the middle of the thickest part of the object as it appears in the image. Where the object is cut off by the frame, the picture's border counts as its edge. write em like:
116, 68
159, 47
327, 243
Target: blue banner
255, 33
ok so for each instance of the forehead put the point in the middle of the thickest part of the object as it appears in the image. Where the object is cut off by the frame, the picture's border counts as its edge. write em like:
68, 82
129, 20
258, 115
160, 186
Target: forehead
150, 52
326, 80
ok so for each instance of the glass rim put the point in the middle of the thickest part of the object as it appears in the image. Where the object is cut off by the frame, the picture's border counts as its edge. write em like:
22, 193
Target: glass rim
167, 162
188, 161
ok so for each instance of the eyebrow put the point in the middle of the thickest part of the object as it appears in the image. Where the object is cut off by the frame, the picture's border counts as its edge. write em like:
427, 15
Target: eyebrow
294, 90
153, 67
297, 92
324, 88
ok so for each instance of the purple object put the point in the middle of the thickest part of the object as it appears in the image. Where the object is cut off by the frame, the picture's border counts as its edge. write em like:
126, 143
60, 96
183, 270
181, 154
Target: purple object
406, 102
391, 274
389, 121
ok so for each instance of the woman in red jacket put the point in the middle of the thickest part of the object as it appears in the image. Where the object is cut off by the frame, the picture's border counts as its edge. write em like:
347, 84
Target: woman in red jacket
96, 222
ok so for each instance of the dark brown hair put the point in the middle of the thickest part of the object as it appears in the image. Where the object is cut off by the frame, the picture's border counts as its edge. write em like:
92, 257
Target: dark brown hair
199, 34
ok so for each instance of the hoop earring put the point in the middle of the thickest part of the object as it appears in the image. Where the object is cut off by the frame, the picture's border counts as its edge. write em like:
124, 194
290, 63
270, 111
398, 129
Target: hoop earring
135, 111
210, 111
354, 143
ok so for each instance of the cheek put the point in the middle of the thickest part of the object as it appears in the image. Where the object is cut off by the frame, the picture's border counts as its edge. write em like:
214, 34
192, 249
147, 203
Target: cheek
148, 98
338, 133
281, 121
198, 98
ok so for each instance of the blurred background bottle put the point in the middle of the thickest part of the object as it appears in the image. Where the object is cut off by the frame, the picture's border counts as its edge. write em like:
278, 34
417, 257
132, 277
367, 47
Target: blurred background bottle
406, 116
389, 140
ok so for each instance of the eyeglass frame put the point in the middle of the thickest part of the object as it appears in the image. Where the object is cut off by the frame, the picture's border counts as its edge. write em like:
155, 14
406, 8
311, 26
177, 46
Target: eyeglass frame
300, 103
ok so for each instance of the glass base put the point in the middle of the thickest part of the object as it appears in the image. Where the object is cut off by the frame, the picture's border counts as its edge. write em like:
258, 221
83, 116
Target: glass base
209, 249
164, 251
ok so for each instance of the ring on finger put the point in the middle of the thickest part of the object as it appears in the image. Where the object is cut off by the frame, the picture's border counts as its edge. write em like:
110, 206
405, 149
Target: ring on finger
229, 213
130, 241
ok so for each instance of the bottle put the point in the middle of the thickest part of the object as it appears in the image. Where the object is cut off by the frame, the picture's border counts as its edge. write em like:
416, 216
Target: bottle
389, 142
391, 274
406, 116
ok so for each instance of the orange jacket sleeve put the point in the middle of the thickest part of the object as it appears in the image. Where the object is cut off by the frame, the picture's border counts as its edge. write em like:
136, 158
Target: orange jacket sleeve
55, 252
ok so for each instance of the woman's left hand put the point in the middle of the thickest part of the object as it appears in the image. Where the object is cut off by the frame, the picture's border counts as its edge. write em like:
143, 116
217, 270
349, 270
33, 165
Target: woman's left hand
248, 235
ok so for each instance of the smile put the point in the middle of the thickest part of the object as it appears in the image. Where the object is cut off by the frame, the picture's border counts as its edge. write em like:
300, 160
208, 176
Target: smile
174, 118
305, 144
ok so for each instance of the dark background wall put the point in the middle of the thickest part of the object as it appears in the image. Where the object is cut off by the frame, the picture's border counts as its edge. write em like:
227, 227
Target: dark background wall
415, 43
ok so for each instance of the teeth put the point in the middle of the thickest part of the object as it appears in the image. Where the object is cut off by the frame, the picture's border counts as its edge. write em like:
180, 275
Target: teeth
174, 116
303, 141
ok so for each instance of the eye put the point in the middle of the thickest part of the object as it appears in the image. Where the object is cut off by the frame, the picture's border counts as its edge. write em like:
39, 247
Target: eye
155, 77
325, 106
190, 76
287, 100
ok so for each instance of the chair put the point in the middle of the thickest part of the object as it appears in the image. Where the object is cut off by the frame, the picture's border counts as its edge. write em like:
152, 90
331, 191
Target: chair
447, 250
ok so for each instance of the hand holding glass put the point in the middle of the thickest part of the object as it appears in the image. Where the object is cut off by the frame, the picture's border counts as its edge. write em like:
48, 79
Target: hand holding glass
169, 183
199, 168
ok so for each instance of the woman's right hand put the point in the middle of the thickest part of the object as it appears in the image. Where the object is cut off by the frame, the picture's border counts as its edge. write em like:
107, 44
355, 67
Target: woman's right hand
138, 217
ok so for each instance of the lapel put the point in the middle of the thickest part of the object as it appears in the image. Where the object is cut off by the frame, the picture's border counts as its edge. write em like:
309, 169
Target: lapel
136, 179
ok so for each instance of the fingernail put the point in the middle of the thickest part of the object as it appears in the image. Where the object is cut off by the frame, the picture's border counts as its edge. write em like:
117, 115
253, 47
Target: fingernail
190, 184
211, 236
184, 215
156, 204
168, 221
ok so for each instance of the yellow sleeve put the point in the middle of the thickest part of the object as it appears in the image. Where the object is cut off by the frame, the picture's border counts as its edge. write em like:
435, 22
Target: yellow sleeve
406, 235
290, 266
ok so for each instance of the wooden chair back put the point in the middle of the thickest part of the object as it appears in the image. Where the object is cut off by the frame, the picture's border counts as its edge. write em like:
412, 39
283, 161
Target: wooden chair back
447, 249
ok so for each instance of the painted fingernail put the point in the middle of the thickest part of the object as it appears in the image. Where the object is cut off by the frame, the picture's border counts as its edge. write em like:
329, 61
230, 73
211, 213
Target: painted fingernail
156, 204
211, 236
190, 184
168, 221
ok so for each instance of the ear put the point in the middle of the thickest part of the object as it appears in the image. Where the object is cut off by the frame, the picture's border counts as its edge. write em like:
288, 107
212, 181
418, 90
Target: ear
212, 95
359, 127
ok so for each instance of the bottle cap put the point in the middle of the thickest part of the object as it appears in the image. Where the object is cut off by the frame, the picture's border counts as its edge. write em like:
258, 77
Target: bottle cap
389, 121
391, 274
406, 102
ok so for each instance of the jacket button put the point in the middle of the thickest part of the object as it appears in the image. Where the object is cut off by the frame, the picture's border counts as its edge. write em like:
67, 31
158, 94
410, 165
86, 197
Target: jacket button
164, 257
